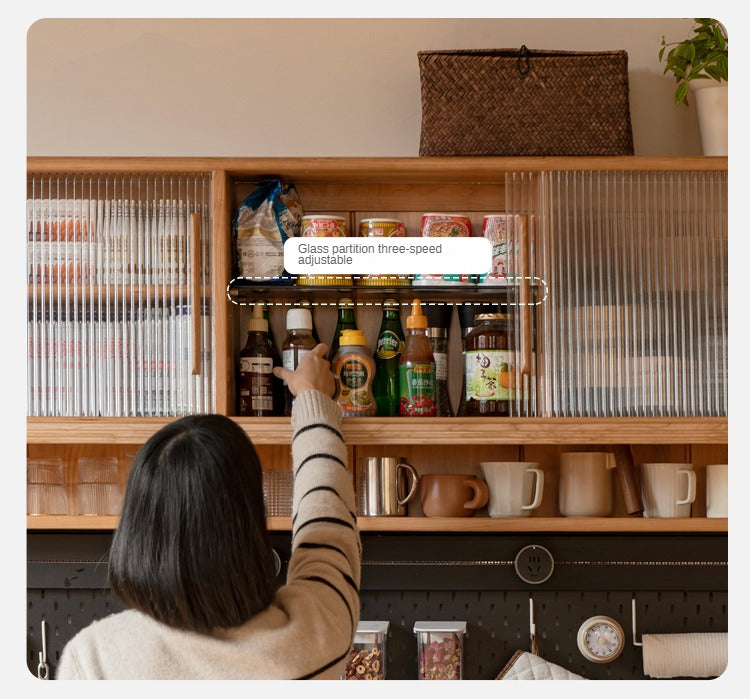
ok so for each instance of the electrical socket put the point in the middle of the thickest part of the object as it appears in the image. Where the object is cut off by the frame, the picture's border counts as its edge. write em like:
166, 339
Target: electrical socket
534, 564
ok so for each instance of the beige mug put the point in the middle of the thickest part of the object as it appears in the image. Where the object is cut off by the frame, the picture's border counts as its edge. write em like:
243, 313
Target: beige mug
668, 490
717, 490
586, 486
452, 494
515, 487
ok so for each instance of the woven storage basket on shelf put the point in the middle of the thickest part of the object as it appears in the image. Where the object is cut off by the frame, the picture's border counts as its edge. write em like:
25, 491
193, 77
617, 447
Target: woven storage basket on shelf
519, 102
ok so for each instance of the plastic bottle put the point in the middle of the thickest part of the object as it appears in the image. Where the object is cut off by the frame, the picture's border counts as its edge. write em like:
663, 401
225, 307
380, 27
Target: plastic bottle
387, 357
417, 368
354, 370
257, 384
303, 303
297, 343
345, 321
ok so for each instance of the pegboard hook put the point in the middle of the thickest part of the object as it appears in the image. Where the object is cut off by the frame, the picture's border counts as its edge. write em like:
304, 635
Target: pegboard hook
635, 642
532, 627
42, 670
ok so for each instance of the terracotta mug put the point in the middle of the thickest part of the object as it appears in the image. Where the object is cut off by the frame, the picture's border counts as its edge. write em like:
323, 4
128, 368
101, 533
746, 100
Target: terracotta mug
452, 494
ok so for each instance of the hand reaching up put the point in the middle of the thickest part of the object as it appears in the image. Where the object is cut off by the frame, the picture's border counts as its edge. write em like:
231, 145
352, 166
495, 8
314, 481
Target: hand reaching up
312, 373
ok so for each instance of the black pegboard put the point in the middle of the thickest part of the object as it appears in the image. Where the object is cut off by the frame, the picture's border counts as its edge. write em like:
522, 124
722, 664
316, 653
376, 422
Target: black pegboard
679, 582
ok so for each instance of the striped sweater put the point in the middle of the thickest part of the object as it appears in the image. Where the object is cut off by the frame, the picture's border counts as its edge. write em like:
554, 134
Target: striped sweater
307, 630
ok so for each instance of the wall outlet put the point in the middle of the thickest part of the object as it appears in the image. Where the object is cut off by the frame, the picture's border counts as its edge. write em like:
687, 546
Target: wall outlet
534, 564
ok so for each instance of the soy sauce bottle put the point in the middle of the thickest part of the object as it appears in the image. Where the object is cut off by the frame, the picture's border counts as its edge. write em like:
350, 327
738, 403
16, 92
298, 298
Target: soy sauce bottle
257, 384
439, 322
297, 343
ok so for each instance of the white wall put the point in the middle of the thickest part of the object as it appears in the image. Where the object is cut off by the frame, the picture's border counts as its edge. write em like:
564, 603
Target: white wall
296, 87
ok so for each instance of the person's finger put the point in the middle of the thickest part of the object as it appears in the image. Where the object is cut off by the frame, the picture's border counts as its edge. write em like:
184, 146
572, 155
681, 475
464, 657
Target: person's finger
319, 350
281, 372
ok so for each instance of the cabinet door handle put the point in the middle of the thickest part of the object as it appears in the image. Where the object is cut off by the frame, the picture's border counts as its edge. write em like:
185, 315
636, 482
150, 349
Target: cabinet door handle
522, 221
195, 289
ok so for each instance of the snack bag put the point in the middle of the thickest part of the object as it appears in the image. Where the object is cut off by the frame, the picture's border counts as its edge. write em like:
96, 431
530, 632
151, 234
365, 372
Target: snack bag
266, 218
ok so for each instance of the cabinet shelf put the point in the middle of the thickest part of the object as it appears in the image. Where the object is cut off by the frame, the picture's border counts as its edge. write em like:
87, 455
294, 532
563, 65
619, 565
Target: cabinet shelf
414, 431
439, 524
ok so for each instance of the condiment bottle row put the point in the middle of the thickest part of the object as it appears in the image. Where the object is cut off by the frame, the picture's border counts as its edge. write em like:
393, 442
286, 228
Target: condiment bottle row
404, 374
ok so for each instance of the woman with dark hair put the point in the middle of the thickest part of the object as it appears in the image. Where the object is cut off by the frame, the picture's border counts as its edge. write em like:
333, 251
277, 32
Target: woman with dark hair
192, 561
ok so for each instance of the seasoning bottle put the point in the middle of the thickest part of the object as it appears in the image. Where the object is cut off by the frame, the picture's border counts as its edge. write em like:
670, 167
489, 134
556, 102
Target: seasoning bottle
345, 321
489, 366
304, 303
466, 315
297, 343
387, 357
257, 383
354, 370
417, 368
439, 321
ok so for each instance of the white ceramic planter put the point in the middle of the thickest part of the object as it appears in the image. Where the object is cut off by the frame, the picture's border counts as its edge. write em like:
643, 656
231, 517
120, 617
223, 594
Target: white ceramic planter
711, 101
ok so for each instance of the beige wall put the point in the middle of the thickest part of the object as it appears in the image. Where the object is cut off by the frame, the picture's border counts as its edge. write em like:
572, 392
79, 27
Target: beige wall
273, 87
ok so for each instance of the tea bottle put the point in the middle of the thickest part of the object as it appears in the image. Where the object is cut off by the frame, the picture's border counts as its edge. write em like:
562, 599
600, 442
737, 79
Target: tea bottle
417, 368
466, 315
489, 361
257, 383
345, 321
390, 345
354, 369
297, 343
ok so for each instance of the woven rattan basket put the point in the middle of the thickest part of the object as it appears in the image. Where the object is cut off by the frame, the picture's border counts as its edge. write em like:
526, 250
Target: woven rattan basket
524, 102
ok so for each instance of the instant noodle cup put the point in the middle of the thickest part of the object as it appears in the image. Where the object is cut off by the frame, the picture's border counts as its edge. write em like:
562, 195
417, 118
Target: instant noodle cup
324, 226
445, 226
382, 228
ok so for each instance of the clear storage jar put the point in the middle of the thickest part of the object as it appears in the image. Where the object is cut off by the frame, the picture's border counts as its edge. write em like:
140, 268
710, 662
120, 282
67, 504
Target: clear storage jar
440, 649
366, 660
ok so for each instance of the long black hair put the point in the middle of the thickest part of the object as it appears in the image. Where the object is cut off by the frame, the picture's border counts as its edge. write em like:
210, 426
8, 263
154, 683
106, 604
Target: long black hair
192, 548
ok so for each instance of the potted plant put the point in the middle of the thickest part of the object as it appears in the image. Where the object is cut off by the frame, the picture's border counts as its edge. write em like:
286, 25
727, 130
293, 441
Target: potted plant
701, 63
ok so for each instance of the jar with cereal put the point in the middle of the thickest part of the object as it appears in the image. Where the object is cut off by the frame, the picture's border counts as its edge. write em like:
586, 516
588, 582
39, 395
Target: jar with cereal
366, 659
440, 649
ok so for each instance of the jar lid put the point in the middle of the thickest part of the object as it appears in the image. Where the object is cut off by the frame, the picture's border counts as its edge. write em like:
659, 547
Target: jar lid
449, 626
373, 626
299, 319
491, 316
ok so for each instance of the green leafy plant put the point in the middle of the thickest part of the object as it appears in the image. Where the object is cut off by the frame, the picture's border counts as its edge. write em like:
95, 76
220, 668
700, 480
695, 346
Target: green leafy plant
704, 56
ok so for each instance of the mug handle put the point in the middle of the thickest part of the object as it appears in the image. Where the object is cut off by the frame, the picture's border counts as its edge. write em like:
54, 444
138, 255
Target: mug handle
691, 487
481, 494
414, 481
539, 486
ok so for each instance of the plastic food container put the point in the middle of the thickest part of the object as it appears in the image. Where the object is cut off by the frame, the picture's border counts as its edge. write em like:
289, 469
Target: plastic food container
366, 659
440, 649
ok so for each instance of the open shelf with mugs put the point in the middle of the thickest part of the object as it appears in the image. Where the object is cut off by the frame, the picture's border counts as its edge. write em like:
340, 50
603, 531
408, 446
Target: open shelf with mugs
618, 345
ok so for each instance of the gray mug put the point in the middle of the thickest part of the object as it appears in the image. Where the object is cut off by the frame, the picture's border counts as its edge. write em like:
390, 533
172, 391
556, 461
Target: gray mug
386, 484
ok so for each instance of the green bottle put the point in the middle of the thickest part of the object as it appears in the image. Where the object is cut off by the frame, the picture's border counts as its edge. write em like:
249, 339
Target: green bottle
388, 348
345, 321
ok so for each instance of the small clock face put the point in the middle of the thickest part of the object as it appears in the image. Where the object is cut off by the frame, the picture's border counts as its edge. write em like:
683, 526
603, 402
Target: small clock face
600, 639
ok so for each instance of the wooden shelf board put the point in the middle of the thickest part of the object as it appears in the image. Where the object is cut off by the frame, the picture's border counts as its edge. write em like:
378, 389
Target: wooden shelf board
604, 525
416, 431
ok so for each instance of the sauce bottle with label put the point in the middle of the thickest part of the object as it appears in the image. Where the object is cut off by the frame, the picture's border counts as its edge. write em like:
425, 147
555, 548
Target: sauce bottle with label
354, 370
439, 322
345, 321
257, 384
297, 343
387, 357
490, 363
417, 368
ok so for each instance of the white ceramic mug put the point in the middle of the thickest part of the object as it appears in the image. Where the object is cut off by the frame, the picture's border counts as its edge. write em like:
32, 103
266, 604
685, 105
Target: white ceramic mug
717, 490
586, 487
515, 487
668, 490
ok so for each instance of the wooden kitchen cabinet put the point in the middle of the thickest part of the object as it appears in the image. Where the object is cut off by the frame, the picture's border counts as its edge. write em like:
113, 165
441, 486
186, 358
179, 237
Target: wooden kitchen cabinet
630, 212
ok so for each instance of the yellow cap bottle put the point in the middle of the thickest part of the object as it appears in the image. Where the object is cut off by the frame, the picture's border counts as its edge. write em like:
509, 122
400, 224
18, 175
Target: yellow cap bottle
352, 337
417, 319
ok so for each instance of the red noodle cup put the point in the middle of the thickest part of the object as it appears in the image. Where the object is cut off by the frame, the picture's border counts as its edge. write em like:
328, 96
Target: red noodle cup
324, 226
446, 225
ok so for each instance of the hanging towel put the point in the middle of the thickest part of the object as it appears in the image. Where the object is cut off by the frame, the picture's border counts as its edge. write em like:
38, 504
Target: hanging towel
527, 666
685, 654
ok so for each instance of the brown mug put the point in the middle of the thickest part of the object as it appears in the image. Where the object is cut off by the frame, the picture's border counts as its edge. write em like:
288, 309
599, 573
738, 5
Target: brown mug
452, 494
